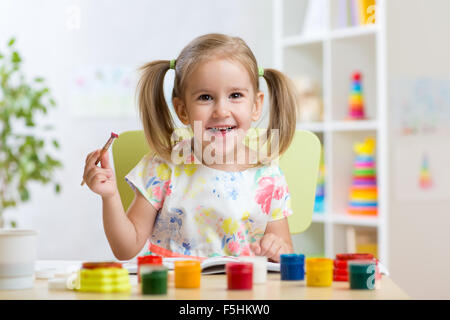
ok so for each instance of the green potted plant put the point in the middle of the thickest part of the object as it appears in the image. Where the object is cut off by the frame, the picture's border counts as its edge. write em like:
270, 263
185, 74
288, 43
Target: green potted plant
25, 144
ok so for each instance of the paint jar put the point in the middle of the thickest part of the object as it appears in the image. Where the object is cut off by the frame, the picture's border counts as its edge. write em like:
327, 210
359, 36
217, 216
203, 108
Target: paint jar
292, 266
154, 279
362, 274
340, 272
17, 258
319, 272
259, 268
147, 260
239, 275
187, 274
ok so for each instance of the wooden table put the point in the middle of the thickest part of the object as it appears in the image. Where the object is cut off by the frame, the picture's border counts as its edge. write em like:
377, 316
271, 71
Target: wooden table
215, 287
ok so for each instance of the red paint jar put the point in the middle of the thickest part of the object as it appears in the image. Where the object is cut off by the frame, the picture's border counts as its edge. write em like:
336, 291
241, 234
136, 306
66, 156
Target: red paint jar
354, 256
149, 259
340, 272
239, 275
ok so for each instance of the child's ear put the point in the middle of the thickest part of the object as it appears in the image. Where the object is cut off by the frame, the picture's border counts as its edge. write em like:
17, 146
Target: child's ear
180, 109
257, 107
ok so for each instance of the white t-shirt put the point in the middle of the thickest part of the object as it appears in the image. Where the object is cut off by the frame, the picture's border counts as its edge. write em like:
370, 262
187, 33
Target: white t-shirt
207, 212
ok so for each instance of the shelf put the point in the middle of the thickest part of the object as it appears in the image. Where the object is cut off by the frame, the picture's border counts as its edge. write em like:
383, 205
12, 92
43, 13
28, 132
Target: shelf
353, 32
347, 56
345, 219
329, 57
356, 125
354, 220
319, 217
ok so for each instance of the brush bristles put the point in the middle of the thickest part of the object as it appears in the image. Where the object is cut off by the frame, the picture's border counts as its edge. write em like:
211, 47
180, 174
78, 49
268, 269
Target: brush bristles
113, 135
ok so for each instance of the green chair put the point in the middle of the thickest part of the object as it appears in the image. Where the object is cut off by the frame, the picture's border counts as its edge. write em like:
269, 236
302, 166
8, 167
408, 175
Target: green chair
300, 165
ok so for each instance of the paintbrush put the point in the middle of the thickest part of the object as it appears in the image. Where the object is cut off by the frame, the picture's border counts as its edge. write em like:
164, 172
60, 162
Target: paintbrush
104, 149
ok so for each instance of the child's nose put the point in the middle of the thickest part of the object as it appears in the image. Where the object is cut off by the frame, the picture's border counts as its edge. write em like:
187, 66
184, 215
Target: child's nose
221, 110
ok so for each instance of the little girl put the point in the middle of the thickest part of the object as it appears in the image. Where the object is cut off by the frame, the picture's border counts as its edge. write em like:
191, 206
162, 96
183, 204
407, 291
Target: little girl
204, 205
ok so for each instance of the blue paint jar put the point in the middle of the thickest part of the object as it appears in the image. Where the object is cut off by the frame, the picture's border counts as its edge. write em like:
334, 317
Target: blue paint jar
292, 266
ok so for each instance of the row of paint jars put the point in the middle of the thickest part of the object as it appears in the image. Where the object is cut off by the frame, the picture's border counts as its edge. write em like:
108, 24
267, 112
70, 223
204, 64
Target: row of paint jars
319, 270
361, 271
240, 275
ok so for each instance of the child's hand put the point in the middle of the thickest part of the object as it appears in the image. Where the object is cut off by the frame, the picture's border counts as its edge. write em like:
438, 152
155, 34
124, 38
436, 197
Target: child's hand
270, 246
100, 180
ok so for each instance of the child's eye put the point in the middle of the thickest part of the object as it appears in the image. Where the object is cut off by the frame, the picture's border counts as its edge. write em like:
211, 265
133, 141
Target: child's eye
236, 95
205, 97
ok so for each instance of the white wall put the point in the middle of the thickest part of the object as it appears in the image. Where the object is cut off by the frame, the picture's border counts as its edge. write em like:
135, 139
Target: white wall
419, 237
111, 33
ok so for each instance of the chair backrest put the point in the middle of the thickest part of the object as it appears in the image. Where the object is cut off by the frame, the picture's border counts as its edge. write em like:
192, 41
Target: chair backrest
300, 165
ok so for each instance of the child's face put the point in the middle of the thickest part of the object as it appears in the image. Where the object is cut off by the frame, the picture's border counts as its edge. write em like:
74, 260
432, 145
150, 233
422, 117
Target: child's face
220, 96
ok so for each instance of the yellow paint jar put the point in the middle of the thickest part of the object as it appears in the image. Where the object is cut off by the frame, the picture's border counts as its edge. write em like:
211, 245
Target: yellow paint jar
187, 274
319, 272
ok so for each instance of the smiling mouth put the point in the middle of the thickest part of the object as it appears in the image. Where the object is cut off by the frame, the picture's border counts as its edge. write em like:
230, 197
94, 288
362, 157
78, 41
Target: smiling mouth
222, 129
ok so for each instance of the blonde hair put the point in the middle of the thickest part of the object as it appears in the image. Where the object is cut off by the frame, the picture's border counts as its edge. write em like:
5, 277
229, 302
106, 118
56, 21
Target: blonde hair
155, 114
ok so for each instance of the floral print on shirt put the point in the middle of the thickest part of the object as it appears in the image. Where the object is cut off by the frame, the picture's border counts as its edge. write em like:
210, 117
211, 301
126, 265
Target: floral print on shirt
207, 212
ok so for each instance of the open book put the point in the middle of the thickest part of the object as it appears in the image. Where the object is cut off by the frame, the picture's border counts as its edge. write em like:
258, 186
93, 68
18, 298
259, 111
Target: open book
209, 265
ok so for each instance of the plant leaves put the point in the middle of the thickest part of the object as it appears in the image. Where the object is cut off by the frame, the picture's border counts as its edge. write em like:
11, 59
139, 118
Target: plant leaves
23, 155
24, 194
15, 57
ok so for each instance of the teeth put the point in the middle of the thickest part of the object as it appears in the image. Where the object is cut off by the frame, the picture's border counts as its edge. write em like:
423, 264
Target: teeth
221, 129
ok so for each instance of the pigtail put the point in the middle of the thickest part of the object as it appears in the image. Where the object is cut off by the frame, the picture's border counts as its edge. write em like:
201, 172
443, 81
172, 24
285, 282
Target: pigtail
155, 114
282, 111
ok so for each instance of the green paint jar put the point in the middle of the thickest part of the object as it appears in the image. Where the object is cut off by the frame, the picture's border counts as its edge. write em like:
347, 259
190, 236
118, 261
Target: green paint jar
362, 274
153, 279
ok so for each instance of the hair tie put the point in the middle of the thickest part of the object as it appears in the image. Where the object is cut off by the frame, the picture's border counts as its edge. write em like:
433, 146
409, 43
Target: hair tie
261, 71
172, 64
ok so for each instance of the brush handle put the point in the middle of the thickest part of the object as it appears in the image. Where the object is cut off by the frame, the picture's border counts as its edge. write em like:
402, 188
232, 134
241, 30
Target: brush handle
104, 149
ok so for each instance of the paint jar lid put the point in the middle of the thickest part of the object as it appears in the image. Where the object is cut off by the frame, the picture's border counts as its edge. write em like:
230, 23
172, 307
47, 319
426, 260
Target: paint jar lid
319, 263
239, 267
149, 268
343, 264
187, 266
106, 264
149, 259
354, 256
153, 271
361, 266
292, 258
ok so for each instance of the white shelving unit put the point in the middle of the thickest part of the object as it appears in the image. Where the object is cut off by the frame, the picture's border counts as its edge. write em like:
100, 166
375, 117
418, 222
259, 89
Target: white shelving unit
329, 57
